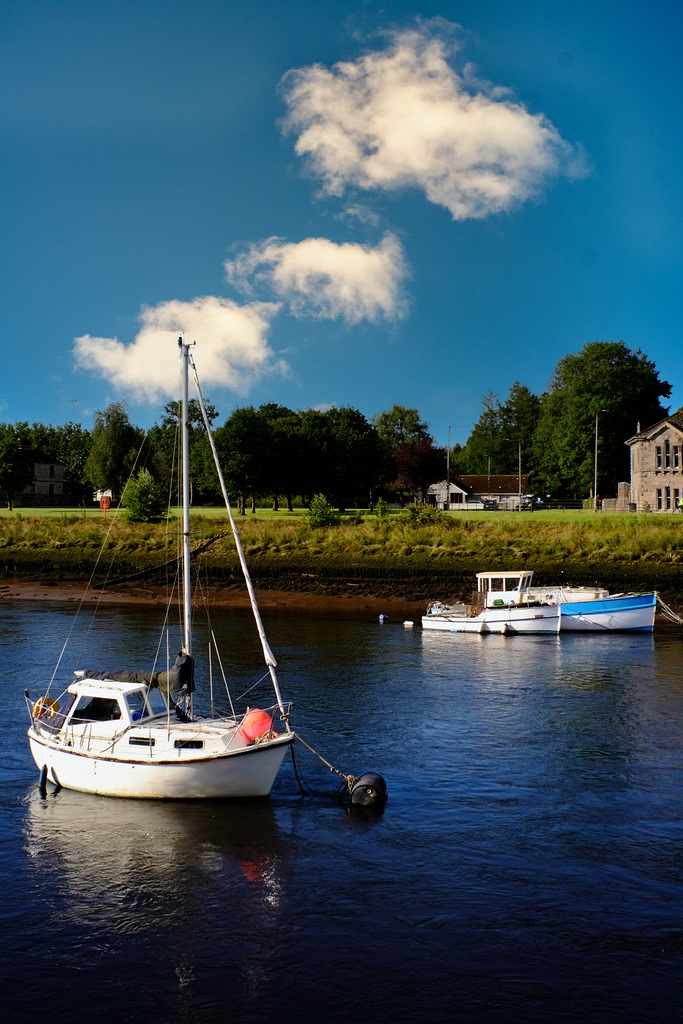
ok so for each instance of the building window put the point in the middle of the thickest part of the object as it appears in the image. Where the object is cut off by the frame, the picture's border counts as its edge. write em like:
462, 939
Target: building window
659, 499
658, 457
667, 455
677, 497
52, 470
677, 457
667, 492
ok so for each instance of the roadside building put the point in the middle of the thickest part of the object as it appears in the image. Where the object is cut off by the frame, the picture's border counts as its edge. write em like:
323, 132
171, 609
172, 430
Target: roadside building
479, 491
47, 486
657, 465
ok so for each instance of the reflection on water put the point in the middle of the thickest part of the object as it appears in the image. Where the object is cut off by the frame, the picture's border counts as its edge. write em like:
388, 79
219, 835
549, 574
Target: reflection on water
525, 868
158, 874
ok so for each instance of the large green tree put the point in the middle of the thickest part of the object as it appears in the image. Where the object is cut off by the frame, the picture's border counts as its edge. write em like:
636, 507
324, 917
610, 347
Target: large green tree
400, 424
284, 454
162, 456
116, 445
241, 444
357, 465
413, 460
606, 380
484, 447
16, 471
418, 465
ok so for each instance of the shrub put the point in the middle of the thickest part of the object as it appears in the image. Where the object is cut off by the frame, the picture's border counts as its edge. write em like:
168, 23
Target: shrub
321, 513
381, 509
424, 515
144, 499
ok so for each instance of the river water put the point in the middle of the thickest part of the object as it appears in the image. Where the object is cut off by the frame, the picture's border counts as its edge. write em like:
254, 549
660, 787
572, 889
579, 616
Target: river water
525, 867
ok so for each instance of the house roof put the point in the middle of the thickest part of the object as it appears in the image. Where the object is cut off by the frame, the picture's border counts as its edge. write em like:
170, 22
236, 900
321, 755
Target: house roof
35, 456
674, 420
506, 483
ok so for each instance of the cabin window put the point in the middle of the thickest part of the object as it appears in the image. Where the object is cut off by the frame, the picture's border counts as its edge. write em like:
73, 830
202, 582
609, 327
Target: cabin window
659, 498
497, 584
189, 744
96, 709
157, 702
658, 456
141, 741
136, 705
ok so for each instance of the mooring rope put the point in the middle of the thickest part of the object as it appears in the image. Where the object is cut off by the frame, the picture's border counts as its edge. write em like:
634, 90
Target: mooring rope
350, 780
669, 613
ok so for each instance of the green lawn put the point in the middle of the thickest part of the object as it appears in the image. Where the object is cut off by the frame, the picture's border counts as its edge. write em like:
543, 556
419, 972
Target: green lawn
298, 514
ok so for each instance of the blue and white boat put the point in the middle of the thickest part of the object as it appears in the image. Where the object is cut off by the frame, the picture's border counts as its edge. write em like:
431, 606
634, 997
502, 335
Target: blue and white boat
616, 613
583, 610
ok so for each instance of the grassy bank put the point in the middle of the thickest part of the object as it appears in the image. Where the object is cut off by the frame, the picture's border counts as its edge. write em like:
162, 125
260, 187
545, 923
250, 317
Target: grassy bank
398, 556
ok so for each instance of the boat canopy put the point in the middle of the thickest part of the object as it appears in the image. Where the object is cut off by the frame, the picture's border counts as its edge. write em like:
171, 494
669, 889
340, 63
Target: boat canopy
179, 679
504, 587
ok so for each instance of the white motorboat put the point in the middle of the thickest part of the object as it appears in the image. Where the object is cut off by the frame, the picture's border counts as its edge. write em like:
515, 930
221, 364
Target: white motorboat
502, 604
134, 733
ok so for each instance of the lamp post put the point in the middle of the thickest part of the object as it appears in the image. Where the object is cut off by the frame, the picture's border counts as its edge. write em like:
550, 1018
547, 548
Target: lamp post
519, 471
519, 477
595, 477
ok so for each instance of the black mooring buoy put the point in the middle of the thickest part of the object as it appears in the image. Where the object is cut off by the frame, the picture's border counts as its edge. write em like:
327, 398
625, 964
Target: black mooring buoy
370, 789
42, 781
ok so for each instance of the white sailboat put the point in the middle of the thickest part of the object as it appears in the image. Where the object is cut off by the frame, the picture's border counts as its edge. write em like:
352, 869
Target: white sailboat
122, 734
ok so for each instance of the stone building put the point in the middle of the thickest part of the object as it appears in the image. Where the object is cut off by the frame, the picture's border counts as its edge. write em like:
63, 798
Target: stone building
47, 487
657, 465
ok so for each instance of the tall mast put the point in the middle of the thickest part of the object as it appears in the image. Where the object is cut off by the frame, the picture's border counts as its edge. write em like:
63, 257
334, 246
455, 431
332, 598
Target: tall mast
185, 462
267, 653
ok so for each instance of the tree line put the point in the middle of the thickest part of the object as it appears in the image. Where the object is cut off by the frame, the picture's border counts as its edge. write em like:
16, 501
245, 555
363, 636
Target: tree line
555, 432
271, 452
279, 454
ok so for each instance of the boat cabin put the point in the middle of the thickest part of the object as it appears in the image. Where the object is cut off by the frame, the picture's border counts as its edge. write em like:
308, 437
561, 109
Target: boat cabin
103, 700
503, 588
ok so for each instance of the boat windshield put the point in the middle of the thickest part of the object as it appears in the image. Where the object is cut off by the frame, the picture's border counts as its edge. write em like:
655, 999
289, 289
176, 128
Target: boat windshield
157, 702
504, 584
136, 705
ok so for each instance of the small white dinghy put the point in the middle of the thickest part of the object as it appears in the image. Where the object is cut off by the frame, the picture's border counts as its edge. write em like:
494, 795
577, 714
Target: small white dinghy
123, 733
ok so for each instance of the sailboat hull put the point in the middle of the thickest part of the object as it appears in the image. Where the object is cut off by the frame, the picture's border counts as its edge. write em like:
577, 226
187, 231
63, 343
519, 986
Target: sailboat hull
248, 772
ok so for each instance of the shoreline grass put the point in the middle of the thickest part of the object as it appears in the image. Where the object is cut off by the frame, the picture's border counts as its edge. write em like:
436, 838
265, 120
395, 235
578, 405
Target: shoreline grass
492, 538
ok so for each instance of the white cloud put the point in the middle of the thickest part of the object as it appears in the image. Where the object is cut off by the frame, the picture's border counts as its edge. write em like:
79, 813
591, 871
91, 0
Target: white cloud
402, 117
232, 347
319, 278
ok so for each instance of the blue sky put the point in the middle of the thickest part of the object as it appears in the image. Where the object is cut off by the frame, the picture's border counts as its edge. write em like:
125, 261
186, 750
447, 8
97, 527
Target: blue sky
343, 203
